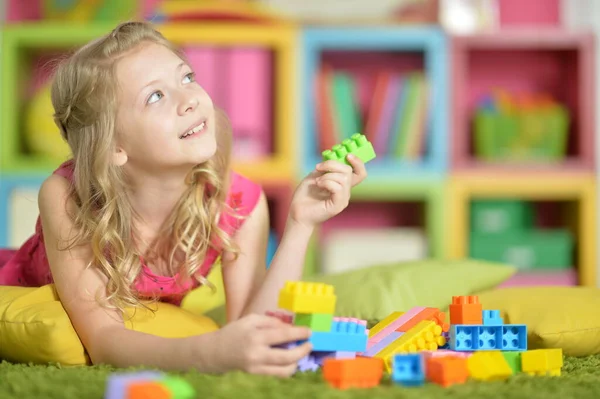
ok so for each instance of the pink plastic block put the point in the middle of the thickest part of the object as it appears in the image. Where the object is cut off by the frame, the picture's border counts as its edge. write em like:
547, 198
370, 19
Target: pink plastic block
397, 323
281, 315
374, 348
444, 353
249, 98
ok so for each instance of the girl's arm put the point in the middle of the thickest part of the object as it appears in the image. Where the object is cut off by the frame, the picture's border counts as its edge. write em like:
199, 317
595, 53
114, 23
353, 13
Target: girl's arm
102, 331
249, 287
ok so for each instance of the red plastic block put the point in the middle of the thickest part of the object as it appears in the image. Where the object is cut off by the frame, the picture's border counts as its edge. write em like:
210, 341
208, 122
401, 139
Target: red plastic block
283, 316
446, 371
466, 310
148, 390
360, 372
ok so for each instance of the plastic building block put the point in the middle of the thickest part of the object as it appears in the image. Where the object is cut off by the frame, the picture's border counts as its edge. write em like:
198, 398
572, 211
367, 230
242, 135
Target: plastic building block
514, 337
422, 337
303, 297
408, 369
283, 316
308, 363
432, 314
357, 145
488, 366
508, 337
377, 347
393, 326
315, 321
116, 384
447, 370
492, 318
384, 323
466, 310
513, 359
362, 372
179, 388
346, 336
148, 390
542, 362
445, 353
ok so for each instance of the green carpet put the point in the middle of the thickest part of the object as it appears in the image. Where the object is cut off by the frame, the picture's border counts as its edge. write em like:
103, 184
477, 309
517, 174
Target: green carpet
580, 379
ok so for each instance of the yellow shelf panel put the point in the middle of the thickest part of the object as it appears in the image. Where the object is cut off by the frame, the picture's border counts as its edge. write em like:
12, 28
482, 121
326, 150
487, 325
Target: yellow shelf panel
578, 188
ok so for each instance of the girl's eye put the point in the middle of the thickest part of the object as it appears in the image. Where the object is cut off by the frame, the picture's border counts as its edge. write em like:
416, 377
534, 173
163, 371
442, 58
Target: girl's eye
189, 77
154, 97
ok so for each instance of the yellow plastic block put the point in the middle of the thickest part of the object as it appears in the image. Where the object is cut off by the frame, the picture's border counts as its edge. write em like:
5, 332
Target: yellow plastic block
384, 323
423, 336
542, 362
302, 297
488, 366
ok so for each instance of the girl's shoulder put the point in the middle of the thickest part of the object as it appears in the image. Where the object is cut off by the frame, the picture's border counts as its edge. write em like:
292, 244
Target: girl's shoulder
66, 170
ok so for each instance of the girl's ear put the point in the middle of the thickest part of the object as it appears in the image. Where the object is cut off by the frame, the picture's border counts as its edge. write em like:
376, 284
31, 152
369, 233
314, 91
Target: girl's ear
120, 157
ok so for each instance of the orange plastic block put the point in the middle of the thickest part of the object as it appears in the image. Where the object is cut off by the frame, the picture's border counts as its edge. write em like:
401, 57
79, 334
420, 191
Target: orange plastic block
148, 390
447, 370
432, 314
466, 310
360, 372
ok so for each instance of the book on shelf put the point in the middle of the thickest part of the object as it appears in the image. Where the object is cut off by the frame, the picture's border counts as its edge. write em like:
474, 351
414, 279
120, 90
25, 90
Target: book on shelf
395, 118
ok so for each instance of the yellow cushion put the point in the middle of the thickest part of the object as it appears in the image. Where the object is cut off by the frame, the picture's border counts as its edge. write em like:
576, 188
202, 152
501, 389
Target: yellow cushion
556, 317
34, 327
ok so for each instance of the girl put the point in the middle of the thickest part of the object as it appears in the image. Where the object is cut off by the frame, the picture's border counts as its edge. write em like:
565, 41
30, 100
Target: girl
148, 203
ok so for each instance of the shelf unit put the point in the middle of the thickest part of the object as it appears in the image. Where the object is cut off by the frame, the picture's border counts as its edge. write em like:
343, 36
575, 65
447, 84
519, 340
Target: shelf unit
428, 45
580, 189
18, 208
21, 39
552, 61
439, 186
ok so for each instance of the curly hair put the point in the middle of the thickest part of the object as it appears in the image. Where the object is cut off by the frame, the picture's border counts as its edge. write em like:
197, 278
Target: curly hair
84, 97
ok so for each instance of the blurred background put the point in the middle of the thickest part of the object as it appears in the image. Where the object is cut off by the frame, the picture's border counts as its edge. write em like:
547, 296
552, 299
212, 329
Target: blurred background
482, 114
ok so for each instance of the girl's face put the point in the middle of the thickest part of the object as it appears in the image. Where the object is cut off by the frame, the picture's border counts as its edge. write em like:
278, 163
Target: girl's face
165, 119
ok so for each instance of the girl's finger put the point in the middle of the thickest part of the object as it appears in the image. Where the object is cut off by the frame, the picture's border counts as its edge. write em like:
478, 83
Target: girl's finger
333, 166
340, 178
330, 185
358, 169
284, 357
284, 334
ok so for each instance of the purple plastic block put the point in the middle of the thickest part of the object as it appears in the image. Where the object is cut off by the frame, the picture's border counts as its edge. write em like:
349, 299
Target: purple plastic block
379, 346
116, 383
344, 355
307, 363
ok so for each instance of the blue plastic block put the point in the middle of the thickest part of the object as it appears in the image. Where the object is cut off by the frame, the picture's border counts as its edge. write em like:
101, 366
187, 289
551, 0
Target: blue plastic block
506, 337
464, 337
514, 337
490, 338
345, 336
408, 369
117, 383
492, 318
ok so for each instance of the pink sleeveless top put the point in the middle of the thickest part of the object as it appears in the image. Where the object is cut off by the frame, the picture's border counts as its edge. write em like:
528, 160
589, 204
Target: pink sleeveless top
29, 265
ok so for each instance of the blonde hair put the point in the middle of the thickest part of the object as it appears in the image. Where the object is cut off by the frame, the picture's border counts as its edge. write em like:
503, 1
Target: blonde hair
84, 93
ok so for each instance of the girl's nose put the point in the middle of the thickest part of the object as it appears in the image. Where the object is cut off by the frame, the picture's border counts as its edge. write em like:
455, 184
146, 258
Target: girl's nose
189, 103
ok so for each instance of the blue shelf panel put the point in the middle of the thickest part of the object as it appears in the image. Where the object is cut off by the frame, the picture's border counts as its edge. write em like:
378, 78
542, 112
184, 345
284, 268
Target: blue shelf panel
8, 183
430, 41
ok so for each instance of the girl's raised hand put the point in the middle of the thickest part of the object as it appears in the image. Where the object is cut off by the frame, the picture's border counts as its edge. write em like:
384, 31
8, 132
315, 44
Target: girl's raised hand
250, 345
326, 191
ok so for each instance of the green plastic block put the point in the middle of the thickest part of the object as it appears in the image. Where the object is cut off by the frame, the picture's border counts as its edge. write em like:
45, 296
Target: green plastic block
357, 145
541, 249
500, 216
179, 388
315, 321
514, 361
